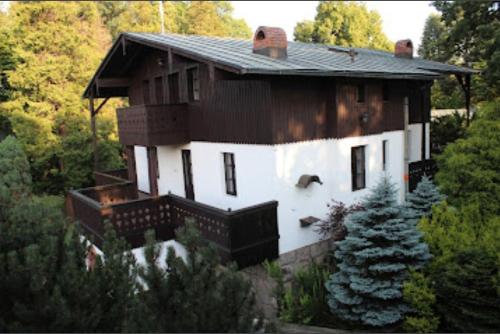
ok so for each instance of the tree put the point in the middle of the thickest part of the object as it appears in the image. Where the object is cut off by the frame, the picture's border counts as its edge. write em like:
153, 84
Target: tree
431, 46
211, 18
374, 259
446, 129
421, 297
15, 179
58, 45
468, 168
7, 61
468, 292
473, 39
421, 200
345, 24
195, 294
446, 92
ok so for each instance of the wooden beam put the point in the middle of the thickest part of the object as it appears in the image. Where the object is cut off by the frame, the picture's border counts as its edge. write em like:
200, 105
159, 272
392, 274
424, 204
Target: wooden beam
113, 82
101, 105
93, 128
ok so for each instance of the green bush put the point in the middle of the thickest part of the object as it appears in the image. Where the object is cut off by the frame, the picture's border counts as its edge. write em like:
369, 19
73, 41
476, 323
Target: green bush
469, 167
468, 292
303, 300
419, 295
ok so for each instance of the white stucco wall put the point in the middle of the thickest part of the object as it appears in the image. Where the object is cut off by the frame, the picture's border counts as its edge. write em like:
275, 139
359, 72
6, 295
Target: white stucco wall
265, 172
141, 166
331, 161
415, 141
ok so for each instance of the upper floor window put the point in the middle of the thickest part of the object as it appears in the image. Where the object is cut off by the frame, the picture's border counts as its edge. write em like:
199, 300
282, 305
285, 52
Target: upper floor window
193, 84
385, 92
145, 92
173, 88
360, 93
358, 168
229, 173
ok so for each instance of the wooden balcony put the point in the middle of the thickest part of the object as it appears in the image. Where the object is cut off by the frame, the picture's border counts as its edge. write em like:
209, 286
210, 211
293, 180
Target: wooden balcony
247, 236
150, 125
417, 169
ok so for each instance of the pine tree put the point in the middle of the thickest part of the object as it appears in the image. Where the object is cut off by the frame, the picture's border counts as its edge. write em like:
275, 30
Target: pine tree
468, 292
374, 259
194, 294
419, 203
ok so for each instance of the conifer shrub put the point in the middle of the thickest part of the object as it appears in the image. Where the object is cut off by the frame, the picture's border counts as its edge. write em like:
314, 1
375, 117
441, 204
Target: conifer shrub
303, 299
419, 294
468, 292
195, 294
373, 261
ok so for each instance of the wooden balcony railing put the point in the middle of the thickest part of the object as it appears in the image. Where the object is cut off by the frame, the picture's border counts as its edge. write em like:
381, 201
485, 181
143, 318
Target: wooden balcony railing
247, 236
150, 125
417, 169
110, 177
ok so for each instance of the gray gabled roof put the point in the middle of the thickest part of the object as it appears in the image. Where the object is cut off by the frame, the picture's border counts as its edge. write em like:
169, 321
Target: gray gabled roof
303, 58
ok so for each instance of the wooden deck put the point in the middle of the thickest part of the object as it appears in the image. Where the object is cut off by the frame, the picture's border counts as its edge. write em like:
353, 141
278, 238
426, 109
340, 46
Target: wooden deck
247, 236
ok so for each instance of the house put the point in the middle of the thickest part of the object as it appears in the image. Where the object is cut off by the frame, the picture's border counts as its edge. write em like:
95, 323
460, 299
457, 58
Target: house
252, 139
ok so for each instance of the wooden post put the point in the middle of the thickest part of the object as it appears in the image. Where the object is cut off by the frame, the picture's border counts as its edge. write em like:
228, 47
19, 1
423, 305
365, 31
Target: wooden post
132, 176
406, 148
153, 170
93, 129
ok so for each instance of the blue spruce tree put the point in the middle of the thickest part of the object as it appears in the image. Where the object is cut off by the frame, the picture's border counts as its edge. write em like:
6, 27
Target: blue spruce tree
419, 203
373, 261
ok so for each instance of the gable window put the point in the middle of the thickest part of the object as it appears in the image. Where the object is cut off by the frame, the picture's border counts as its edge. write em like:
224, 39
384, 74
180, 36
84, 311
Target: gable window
358, 168
385, 92
360, 93
193, 84
229, 173
159, 90
173, 88
145, 92
384, 154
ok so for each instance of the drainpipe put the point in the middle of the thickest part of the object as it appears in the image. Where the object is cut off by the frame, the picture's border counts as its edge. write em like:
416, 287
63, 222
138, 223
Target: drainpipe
406, 149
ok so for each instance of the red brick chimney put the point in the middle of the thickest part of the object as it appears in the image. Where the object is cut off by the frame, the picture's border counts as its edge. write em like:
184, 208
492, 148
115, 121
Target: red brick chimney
271, 42
404, 49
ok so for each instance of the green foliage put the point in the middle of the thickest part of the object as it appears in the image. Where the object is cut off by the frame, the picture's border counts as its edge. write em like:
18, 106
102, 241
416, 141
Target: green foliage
374, 259
57, 46
195, 295
344, 23
432, 39
15, 177
421, 297
468, 292
472, 37
421, 200
7, 60
469, 167
446, 129
303, 300
211, 18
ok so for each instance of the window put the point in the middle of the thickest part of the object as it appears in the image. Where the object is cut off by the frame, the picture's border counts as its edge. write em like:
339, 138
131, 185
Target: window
385, 92
229, 173
361, 93
358, 167
188, 174
159, 90
193, 84
384, 154
173, 88
145, 92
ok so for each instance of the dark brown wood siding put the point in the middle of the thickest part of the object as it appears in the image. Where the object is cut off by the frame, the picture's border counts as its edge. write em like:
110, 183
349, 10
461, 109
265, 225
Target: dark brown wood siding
379, 115
259, 109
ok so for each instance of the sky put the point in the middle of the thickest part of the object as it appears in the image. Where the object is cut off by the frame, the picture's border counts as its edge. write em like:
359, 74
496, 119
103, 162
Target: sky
401, 19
